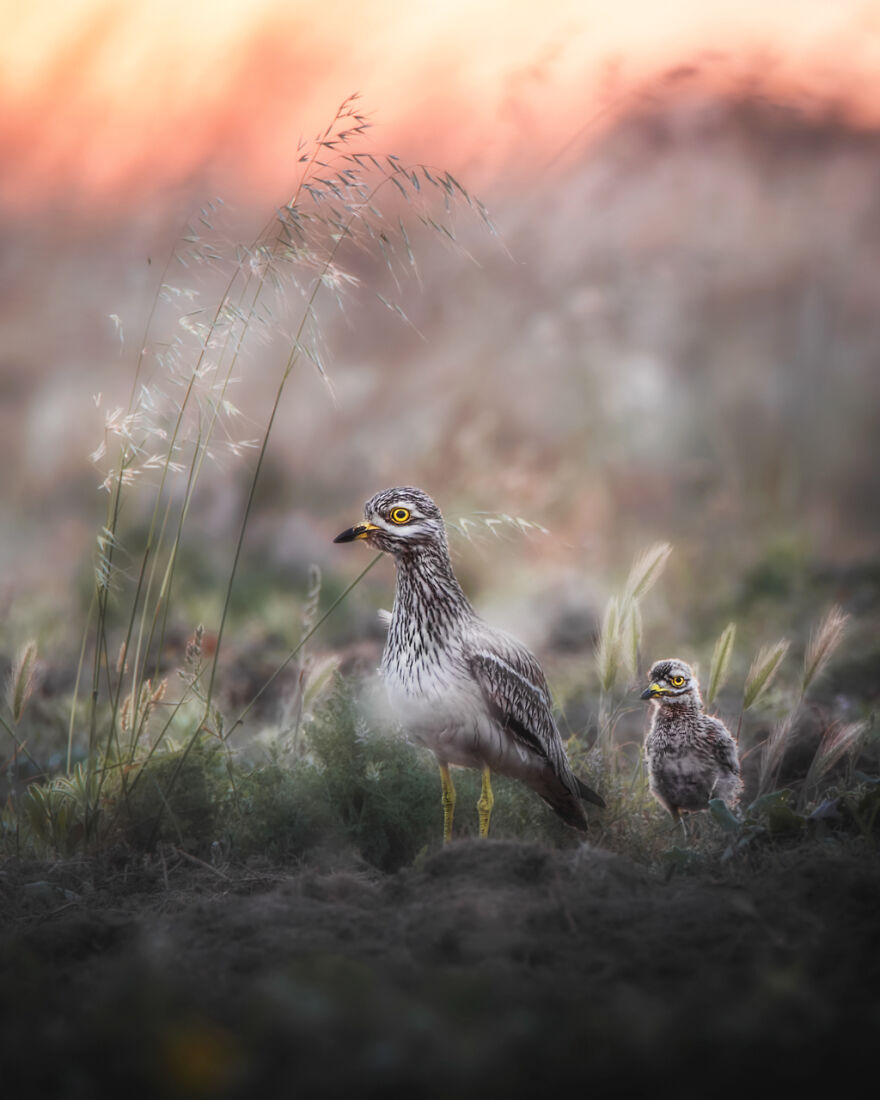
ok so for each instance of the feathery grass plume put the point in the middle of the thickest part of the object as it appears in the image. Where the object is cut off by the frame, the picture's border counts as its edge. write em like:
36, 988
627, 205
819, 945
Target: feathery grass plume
823, 642
311, 602
720, 666
773, 752
619, 644
319, 677
495, 523
763, 670
20, 686
609, 649
646, 571
631, 637
621, 633
837, 741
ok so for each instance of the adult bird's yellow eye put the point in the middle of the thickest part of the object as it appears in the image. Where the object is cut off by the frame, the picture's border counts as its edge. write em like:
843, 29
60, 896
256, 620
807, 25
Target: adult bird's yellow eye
676, 681
399, 515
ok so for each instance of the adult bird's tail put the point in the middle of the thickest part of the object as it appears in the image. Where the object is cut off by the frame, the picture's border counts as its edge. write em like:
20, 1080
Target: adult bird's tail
589, 795
567, 802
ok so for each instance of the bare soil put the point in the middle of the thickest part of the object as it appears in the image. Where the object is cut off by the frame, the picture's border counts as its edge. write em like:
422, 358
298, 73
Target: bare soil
493, 968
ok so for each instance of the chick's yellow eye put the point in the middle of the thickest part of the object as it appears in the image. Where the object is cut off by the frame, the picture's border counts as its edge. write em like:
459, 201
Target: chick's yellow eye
399, 515
676, 681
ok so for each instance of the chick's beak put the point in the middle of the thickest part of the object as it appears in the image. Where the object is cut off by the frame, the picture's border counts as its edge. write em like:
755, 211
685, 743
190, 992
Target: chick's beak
359, 531
652, 692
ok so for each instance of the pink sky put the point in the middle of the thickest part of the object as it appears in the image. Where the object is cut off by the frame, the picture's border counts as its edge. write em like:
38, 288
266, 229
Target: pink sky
109, 97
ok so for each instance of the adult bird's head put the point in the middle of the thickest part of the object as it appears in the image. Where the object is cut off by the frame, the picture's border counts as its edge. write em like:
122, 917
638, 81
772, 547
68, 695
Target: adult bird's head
399, 521
672, 682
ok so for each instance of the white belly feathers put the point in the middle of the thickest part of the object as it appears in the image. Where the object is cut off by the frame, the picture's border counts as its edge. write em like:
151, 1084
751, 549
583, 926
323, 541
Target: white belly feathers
443, 709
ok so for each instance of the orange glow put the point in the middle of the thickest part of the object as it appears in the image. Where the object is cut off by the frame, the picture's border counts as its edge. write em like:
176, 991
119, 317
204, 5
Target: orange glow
107, 98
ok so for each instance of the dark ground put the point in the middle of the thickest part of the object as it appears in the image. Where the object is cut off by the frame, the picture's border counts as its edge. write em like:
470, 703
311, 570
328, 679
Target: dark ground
494, 968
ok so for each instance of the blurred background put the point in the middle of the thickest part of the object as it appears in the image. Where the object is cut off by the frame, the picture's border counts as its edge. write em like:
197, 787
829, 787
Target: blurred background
673, 334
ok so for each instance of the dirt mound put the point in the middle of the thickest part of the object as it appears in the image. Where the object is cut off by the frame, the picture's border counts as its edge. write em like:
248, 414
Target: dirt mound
491, 966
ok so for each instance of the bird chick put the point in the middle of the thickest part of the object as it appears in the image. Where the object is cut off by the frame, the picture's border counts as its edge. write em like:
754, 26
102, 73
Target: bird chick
691, 756
473, 695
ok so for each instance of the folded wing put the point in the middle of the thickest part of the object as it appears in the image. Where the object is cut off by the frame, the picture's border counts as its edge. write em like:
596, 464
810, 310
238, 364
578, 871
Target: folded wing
516, 693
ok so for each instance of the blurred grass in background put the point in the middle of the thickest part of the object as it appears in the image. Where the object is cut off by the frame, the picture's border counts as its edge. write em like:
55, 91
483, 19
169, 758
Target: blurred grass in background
677, 341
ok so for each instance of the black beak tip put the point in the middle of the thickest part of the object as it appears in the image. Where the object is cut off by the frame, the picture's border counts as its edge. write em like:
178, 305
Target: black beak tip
345, 536
647, 694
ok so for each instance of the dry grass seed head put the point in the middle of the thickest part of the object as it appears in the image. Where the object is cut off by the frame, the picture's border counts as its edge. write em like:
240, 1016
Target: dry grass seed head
837, 741
312, 600
773, 752
22, 681
763, 670
631, 638
646, 570
823, 642
608, 648
720, 666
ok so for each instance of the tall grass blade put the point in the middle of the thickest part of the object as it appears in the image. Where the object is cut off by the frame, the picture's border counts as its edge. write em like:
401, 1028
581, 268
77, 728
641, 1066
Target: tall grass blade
720, 666
763, 670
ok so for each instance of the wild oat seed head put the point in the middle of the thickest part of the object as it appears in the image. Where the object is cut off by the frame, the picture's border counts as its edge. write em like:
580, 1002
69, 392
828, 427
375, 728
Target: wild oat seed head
646, 570
763, 670
720, 666
837, 742
823, 642
608, 649
773, 752
21, 679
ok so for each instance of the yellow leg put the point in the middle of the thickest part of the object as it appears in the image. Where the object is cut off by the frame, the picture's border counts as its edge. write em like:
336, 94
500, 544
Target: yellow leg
448, 799
485, 802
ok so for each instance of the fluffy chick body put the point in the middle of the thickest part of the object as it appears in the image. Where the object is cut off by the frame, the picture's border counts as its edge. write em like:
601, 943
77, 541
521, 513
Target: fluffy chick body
691, 756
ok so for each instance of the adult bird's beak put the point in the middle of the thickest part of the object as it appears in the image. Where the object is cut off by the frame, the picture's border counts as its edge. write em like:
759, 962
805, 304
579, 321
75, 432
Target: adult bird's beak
359, 531
653, 691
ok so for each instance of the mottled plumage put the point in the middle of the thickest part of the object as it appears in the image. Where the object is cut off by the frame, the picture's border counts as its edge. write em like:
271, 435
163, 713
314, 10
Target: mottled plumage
691, 756
473, 695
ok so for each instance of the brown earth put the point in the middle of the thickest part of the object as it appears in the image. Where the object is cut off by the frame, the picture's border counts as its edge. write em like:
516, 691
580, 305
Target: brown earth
494, 968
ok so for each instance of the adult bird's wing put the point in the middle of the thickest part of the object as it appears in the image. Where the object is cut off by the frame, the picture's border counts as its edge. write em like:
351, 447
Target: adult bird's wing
517, 696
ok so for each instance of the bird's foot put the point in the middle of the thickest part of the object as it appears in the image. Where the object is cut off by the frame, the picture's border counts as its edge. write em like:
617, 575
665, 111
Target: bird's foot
447, 797
485, 803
